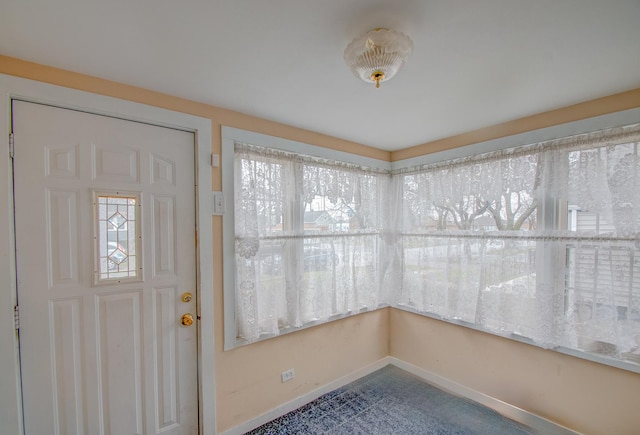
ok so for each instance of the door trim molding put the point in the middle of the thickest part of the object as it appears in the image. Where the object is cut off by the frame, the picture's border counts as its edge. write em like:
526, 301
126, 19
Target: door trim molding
28, 90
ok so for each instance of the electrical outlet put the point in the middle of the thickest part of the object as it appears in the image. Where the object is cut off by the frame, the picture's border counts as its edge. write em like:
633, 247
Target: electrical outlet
288, 375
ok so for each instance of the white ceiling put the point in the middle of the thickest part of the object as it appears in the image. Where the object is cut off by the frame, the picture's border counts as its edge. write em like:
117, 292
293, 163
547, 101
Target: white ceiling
475, 63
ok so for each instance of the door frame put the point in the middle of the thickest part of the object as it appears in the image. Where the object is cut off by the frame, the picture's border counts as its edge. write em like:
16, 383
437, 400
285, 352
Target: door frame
38, 92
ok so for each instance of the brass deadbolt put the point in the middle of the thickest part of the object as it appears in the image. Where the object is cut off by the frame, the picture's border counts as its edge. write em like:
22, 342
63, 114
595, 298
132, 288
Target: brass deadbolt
186, 297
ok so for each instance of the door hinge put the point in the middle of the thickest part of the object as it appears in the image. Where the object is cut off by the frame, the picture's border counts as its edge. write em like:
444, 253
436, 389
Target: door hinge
11, 145
16, 317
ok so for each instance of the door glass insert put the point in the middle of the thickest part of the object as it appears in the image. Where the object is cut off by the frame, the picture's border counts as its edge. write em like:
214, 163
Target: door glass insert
117, 236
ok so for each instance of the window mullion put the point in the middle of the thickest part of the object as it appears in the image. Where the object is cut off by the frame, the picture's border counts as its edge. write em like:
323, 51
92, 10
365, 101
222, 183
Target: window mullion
293, 250
551, 255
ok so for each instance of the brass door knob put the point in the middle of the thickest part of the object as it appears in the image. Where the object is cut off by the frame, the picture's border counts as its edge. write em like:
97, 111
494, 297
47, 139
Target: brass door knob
187, 319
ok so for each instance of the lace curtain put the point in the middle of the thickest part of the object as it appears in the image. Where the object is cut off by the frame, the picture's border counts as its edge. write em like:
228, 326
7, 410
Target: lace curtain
309, 240
538, 241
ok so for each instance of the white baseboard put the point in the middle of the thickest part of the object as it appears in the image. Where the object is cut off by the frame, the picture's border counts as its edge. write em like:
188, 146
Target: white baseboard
540, 424
306, 398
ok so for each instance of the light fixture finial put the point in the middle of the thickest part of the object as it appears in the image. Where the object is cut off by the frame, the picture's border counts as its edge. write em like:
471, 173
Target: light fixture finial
377, 76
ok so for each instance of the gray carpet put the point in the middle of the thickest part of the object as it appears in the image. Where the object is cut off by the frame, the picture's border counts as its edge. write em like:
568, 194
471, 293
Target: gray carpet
392, 401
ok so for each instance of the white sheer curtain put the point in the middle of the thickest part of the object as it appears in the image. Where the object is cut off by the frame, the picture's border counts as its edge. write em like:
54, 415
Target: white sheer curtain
309, 240
541, 241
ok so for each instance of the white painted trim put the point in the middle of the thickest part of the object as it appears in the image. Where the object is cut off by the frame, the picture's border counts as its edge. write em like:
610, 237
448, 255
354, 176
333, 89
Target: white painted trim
10, 389
539, 424
259, 139
29, 90
228, 240
588, 125
306, 398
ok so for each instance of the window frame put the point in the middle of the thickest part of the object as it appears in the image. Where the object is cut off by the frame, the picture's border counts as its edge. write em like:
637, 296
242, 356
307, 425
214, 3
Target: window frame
138, 276
231, 135
557, 215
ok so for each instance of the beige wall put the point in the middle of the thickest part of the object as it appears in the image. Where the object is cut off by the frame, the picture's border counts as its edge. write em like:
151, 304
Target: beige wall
574, 392
249, 377
585, 396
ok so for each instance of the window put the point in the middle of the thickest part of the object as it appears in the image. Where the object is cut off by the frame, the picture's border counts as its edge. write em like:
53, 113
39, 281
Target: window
537, 243
307, 238
116, 235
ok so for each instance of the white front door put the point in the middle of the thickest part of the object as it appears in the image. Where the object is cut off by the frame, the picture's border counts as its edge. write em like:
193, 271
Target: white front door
105, 241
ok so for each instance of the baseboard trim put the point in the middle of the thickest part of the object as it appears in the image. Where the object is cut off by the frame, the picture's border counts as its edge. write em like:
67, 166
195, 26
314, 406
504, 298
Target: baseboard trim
306, 398
540, 424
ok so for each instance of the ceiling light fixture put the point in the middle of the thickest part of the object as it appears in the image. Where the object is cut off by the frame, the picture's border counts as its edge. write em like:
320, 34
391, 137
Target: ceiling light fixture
378, 55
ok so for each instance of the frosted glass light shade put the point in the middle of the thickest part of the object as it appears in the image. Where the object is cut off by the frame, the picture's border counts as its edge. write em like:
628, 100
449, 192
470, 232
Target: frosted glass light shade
378, 55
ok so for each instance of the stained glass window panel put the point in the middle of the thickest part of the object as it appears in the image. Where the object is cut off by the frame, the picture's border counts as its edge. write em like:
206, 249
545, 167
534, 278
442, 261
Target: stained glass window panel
117, 237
